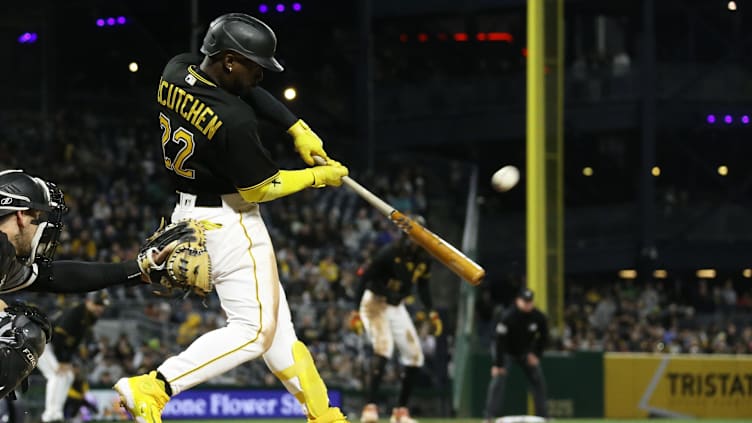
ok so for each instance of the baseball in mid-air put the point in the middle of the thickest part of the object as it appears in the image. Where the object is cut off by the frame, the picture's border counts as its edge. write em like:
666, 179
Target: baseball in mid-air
505, 178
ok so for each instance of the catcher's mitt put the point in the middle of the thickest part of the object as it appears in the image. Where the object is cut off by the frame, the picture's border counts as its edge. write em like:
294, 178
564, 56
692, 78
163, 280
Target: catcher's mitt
187, 267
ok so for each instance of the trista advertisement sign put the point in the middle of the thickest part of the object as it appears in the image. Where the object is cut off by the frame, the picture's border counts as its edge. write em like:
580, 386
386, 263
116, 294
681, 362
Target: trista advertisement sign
680, 386
217, 404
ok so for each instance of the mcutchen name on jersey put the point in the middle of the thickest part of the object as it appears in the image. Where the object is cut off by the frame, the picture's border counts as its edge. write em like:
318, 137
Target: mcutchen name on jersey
201, 116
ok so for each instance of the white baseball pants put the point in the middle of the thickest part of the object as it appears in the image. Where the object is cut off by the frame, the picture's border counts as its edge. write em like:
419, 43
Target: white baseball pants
387, 325
244, 273
59, 380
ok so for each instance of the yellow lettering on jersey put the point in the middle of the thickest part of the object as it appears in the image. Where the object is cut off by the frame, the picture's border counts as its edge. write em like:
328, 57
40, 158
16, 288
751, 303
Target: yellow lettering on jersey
180, 95
170, 97
196, 109
211, 127
202, 118
187, 99
162, 85
189, 108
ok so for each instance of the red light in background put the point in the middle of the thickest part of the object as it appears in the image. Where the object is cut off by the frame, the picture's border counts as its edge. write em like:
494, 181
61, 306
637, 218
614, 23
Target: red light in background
461, 37
500, 36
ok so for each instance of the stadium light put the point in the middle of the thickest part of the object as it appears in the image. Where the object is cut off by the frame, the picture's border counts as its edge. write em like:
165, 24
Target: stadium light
263, 8
290, 93
660, 274
655, 171
731, 5
27, 38
628, 274
111, 21
297, 7
706, 273
728, 119
280, 7
723, 170
747, 273
587, 171
710, 119
133, 67
745, 119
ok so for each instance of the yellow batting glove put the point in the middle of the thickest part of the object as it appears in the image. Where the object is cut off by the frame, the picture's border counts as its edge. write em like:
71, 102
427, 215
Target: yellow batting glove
307, 143
436, 324
355, 323
420, 316
328, 175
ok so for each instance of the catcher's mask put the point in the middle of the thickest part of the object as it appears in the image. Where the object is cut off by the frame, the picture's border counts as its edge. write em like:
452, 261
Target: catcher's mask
243, 34
20, 191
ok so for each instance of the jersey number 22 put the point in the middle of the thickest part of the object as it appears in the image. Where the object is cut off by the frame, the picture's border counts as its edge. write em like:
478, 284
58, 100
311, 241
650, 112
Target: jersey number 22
182, 137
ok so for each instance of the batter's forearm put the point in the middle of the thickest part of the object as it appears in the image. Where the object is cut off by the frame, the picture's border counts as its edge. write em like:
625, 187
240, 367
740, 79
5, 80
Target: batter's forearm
284, 183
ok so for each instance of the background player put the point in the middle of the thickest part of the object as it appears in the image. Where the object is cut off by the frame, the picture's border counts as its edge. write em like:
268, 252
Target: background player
221, 171
388, 279
56, 363
521, 336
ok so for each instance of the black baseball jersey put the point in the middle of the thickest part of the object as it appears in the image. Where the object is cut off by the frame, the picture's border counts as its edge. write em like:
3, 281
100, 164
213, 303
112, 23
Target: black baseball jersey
519, 333
395, 270
70, 329
210, 142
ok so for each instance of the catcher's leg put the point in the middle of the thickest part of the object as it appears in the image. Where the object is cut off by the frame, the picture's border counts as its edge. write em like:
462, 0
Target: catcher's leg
290, 360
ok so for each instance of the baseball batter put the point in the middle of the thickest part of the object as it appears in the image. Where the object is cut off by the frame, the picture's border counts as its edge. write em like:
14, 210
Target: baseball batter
392, 276
209, 108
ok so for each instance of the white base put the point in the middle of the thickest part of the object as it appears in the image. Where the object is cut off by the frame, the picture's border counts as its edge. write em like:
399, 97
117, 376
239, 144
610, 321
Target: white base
520, 419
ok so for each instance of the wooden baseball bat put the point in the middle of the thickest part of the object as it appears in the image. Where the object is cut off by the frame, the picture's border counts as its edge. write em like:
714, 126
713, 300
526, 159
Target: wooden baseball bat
441, 250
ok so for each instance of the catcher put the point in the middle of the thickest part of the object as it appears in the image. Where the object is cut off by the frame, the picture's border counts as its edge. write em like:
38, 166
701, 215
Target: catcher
31, 212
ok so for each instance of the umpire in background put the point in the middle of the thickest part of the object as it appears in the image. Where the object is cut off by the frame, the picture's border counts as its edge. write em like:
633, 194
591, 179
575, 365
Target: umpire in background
521, 336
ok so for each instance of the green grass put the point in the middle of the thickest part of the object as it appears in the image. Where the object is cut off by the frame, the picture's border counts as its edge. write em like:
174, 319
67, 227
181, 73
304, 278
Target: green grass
478, 420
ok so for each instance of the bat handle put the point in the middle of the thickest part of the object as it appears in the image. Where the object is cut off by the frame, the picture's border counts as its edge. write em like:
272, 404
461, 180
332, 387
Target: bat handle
382, 206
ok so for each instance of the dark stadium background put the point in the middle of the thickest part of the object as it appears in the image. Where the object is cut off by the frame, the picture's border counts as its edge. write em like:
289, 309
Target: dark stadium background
419, 101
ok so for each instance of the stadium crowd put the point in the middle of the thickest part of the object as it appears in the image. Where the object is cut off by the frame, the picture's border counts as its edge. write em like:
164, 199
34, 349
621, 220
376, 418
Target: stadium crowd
116, 197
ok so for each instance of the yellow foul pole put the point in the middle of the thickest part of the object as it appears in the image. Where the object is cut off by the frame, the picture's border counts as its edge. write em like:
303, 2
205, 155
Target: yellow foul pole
536, 159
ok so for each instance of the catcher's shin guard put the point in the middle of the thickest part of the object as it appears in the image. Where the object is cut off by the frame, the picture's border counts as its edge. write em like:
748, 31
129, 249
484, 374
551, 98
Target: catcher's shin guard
314, 396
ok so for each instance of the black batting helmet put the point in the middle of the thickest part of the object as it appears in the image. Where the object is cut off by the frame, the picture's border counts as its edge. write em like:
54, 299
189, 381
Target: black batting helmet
243, 34
20, 191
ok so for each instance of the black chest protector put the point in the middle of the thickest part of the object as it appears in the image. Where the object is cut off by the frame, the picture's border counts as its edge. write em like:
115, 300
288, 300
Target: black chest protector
24, 332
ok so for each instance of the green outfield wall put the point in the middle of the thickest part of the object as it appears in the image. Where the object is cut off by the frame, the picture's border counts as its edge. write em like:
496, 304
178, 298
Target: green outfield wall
574, 382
